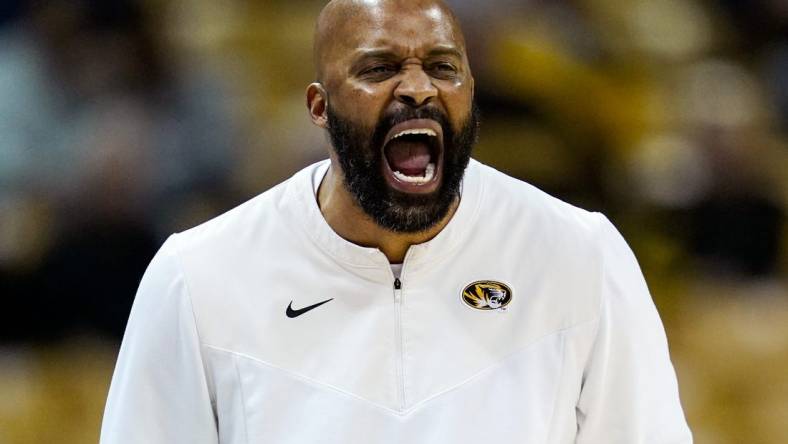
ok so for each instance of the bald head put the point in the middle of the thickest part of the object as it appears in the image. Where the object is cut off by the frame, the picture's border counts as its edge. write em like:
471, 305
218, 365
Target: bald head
345, 24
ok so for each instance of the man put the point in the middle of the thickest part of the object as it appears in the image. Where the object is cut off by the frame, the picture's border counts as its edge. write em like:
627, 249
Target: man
511, 317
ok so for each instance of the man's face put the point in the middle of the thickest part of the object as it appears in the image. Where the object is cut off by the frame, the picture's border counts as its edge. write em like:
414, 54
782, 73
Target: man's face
400, 111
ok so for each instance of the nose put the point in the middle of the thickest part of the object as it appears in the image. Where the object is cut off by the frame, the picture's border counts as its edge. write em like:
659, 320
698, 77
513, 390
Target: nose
415, 88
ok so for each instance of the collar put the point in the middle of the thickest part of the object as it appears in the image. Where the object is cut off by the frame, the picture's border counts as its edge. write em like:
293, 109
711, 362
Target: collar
301, 204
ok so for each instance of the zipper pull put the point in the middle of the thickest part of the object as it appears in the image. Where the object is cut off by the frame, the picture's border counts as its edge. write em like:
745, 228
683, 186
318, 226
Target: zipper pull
397, 284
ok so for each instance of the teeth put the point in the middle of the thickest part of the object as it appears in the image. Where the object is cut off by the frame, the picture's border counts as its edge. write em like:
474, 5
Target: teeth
429, 173
418, 131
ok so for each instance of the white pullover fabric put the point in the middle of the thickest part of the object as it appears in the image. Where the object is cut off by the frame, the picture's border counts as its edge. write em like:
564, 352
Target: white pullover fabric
578, 355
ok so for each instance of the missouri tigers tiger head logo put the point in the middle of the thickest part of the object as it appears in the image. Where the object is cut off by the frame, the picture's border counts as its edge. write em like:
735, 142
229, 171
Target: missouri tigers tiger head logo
487, 295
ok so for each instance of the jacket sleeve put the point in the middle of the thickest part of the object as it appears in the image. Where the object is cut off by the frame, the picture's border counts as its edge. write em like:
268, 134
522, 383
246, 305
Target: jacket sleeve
629, 391
159, 392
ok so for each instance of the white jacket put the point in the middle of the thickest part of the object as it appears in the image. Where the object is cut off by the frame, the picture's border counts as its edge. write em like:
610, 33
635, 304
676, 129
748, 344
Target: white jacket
559, 344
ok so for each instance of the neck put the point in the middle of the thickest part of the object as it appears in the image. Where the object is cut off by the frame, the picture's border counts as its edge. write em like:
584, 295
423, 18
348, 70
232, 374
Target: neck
350, 222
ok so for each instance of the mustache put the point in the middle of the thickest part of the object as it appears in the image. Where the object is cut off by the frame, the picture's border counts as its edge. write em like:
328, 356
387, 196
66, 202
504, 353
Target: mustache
400, 115
405, 114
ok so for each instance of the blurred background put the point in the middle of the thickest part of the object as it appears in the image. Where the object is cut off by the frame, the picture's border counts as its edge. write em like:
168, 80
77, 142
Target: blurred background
124, 121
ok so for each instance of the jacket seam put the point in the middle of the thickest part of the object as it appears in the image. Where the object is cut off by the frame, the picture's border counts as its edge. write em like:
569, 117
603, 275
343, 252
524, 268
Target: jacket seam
499, 363
602, 269
601, 285
600, 305
557, 392
303, 378
208, 380
243, 397
421, 403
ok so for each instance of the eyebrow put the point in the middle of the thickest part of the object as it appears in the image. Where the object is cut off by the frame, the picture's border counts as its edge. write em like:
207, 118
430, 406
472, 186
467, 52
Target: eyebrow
364, 54
445, 50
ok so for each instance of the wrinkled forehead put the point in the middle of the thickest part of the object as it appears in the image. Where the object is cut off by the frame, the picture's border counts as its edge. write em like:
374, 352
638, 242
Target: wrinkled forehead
403, 26
407, 27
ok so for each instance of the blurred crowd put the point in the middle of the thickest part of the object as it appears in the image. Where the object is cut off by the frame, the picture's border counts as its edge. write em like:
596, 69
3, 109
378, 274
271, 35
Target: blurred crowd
123, 121
106, 144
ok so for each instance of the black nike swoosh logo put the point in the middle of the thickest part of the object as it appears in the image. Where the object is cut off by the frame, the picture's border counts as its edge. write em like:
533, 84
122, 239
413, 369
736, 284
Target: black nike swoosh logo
296, 313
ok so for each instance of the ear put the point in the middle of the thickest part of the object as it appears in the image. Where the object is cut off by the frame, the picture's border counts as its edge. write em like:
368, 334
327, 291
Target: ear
317, 102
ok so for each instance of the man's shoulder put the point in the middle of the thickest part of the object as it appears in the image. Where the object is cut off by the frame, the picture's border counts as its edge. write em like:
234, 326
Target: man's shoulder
527, 205
236, 220
268, 211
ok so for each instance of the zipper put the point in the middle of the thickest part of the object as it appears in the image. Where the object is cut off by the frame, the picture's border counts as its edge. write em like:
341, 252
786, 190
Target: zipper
399, 358
399, 337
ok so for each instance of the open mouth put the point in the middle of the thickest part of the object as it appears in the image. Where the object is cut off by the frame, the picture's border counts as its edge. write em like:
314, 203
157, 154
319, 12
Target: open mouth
414, 153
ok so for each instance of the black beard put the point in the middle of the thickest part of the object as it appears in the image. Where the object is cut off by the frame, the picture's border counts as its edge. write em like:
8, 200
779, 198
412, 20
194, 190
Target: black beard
361, 157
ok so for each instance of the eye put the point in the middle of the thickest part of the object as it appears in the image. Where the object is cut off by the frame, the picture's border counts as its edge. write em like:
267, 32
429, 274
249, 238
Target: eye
381, 71
443, 70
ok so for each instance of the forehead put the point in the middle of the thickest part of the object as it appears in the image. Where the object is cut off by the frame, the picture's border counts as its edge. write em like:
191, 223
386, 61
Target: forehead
400, 27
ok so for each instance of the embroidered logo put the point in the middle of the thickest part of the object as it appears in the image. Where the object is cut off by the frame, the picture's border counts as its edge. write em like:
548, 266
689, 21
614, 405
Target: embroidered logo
487, 295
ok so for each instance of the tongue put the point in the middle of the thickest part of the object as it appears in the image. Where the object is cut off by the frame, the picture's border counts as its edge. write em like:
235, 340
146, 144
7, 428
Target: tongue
408, 157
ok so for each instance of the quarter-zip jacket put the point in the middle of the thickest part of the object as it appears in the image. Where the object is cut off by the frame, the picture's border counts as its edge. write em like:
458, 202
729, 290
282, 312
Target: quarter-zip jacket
577, 355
